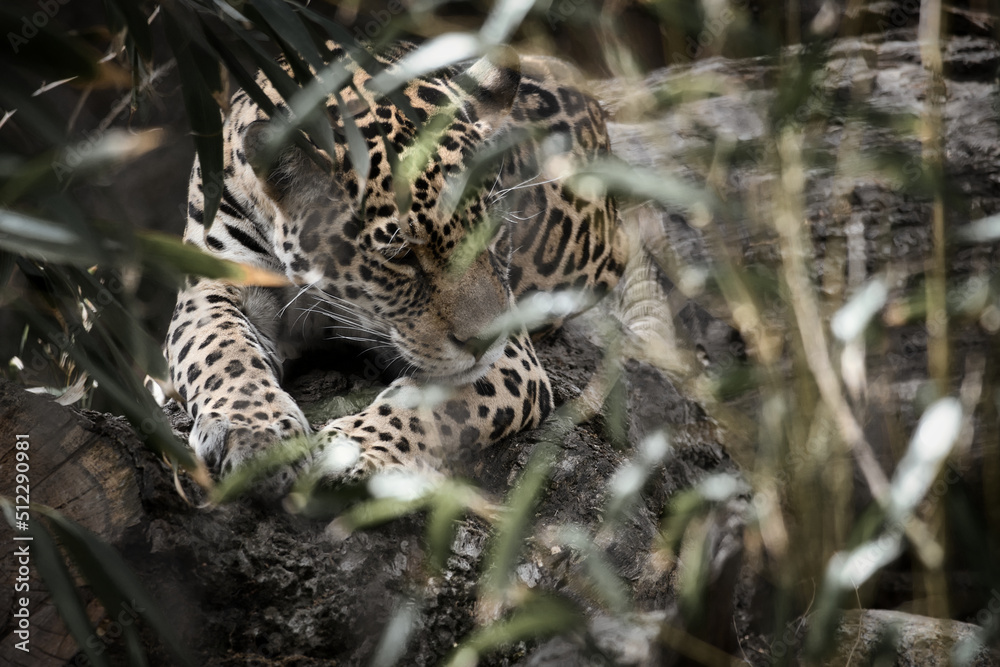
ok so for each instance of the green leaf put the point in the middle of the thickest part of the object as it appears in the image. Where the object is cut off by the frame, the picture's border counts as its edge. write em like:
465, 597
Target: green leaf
287, 26
603, 580
357, 148
43, 239
111, 578
538, 617
612, 177
337, 32
202, 110
317, 125
118, 380
45, 556
171, 253
271, 459
520, 503
446, 509
375, 512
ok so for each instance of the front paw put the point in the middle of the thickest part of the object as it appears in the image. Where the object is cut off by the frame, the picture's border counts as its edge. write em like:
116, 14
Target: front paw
235, 440
338, 458
347, 452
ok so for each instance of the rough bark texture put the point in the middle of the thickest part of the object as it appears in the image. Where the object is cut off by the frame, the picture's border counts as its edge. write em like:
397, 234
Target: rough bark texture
243, 582
249, 584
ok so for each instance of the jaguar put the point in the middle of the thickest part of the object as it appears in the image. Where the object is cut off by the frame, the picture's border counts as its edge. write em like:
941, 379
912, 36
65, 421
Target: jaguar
463, 214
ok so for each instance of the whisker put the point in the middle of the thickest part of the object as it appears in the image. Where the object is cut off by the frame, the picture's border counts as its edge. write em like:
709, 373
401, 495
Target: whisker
305, 288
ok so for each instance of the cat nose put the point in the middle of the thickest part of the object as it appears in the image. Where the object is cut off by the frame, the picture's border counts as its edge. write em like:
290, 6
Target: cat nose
477, 345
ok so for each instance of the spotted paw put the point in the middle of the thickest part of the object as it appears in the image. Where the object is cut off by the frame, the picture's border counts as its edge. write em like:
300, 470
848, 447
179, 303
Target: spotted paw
347, 453
230, 441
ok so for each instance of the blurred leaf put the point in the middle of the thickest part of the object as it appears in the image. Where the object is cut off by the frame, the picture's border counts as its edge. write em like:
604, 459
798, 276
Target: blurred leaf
852, 319
374, 513
115, 377
537, 617
628, 481
7, 263
41, 239
334, 30
446, 510
287, 26
434, 55
238, 482
317, 125
504, 19
930, 445
61, 586
396, 636
611, 177
48, 53
603, 580
357, 148
520, 502
203, 111
170, 252
138, 26
936, 434
52, 171
984, 230
309, 104
111, 578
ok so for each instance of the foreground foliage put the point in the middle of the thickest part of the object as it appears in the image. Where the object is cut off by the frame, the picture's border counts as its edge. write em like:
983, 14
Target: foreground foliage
71, 279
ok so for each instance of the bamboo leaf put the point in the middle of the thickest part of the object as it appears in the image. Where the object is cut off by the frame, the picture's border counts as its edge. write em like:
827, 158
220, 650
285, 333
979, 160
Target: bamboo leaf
41, 239
436, 54
446, 510
357, 148
520, 501
603, 580
289, 29
260, 466
111, 578
124, 389
49, 562
317, 125
539, 616
203, 113
170, 252
375, 512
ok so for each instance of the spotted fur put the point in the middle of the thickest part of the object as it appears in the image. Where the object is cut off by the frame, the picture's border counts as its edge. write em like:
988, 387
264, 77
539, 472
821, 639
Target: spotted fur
367, 271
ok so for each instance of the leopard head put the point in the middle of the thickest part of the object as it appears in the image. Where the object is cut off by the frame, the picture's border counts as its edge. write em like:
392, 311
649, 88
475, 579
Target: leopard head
412, 254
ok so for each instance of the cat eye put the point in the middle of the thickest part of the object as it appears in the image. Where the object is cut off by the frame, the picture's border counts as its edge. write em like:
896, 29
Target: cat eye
400, 255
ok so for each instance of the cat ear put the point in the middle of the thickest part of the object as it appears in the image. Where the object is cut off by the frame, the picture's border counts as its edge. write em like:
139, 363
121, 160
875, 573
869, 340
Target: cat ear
491, 84
291, 168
